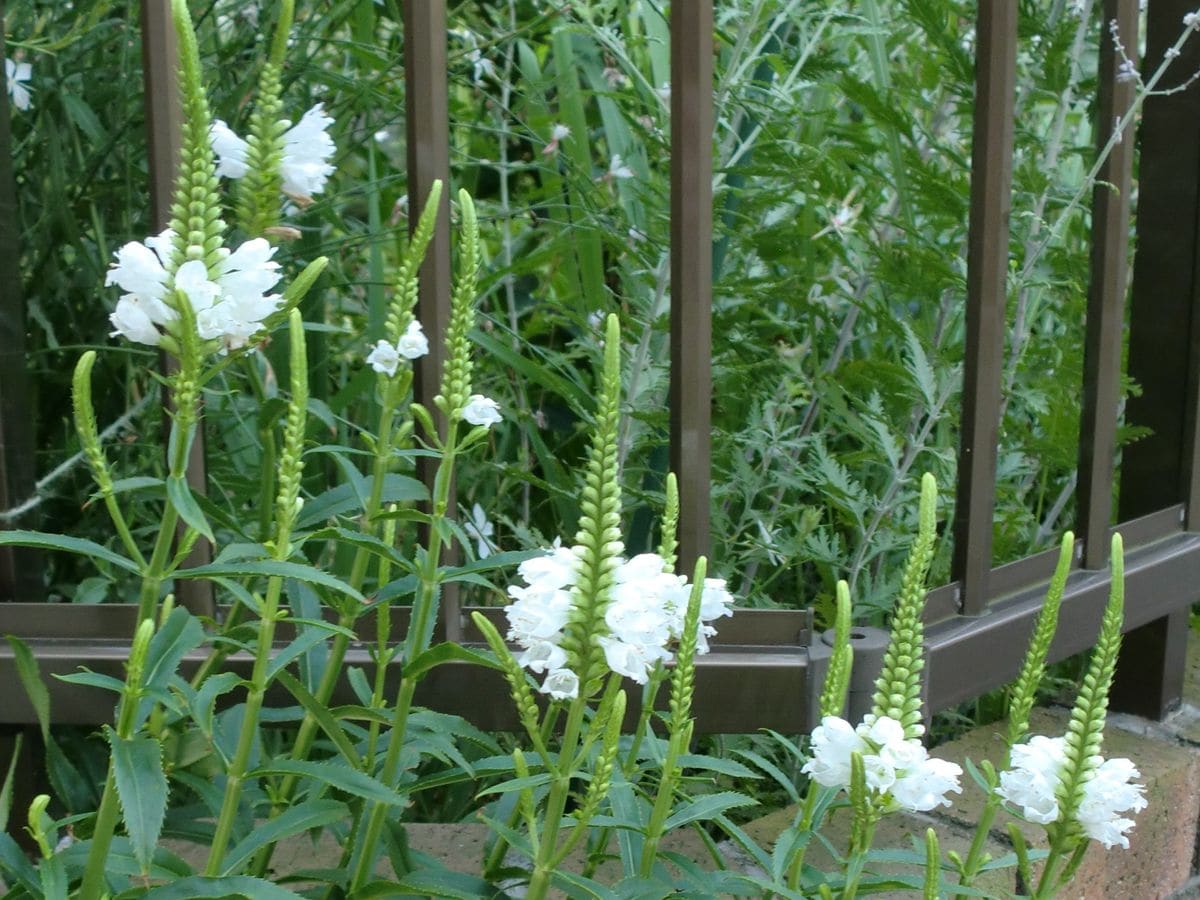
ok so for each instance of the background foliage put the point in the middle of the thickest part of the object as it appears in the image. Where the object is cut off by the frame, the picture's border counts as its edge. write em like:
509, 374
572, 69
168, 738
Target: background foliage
841, 176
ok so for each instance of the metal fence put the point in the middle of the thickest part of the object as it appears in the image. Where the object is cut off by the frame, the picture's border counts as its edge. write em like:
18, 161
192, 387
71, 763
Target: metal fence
766, 668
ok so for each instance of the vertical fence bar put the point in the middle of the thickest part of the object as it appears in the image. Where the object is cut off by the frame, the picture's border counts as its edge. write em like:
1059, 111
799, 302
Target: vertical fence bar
427, 124
1164, 347
20, 576
164, 118
987, 266
1106, 293
691, 271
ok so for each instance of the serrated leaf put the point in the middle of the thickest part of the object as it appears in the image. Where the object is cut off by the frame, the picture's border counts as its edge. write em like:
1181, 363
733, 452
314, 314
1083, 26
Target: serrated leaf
323, 717
311, 814
442, 883
707, 807
346, 499
142, 790
200, 888
43, 541
31, 680
335, 774
271, 567
447, 652
716, 764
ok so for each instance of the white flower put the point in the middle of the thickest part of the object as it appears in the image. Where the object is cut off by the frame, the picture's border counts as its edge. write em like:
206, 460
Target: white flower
1033, 779
15, 76
1107, 794
631, 660
925, 786
481, 410
618, 169
1127, 71
230, 300
480, 530
1192, 20
833, 742
304, 167
132, 321
230, 150
561, 684
307, 150
481, 66
559, 132
413, 344
384, 359
543, 656
1033, 782
664, 92
557, 569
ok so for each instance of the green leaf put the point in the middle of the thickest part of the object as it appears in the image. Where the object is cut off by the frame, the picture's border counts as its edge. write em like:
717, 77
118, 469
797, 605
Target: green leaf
443, 653
201, 888
324, 718
179, 635
716, 764
335, 774
16, 865
707, 807
142, 790
94, 679
344, 499
31, 680
6, 792
270, 567
518, 784
19, 538
312, 814
442, 883
490, 563
180, 496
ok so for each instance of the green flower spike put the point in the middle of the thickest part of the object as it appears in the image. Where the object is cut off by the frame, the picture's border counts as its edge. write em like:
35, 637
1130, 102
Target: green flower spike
518, 681
456, 375
291, 463
933, 861
898, 688
683, 679
669, 542
258, 192
404, 298
599, 535
196, 208
603, 769
837, 678
1024, 690
1086, 729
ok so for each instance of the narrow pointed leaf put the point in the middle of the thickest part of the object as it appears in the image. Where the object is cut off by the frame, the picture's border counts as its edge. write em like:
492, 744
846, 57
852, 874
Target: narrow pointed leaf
142, 790
312, 814
18, 538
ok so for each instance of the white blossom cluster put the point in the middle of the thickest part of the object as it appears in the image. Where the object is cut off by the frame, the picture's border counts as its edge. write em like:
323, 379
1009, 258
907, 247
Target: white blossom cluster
307, 149
230, 301
896, 767
1035, 777
413, 344
644, 616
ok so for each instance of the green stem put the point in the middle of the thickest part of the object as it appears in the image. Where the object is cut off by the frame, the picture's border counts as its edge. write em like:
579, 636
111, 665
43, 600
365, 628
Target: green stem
560, 788
970, 866
796, 869
858, 861
95, 883
662, 807
643, 724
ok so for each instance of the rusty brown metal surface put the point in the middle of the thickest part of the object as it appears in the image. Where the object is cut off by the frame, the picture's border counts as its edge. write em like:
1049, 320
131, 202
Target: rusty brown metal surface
691, 272
1163, 468
427, 124
164, 117
1106, 292
987, 267
20, 573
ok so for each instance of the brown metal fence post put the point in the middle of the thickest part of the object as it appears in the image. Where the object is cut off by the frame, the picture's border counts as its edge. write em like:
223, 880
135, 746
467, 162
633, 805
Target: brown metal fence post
1161, 469
427, 124
987, 267
164, 116
20, 576
1106, 293
691, 271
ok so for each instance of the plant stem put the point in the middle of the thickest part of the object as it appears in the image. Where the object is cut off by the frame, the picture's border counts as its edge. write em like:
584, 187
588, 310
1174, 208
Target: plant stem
417, 641
560, 788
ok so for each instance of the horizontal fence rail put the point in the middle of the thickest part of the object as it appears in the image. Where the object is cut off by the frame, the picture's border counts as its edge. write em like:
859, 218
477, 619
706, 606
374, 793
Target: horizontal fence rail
766, 666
